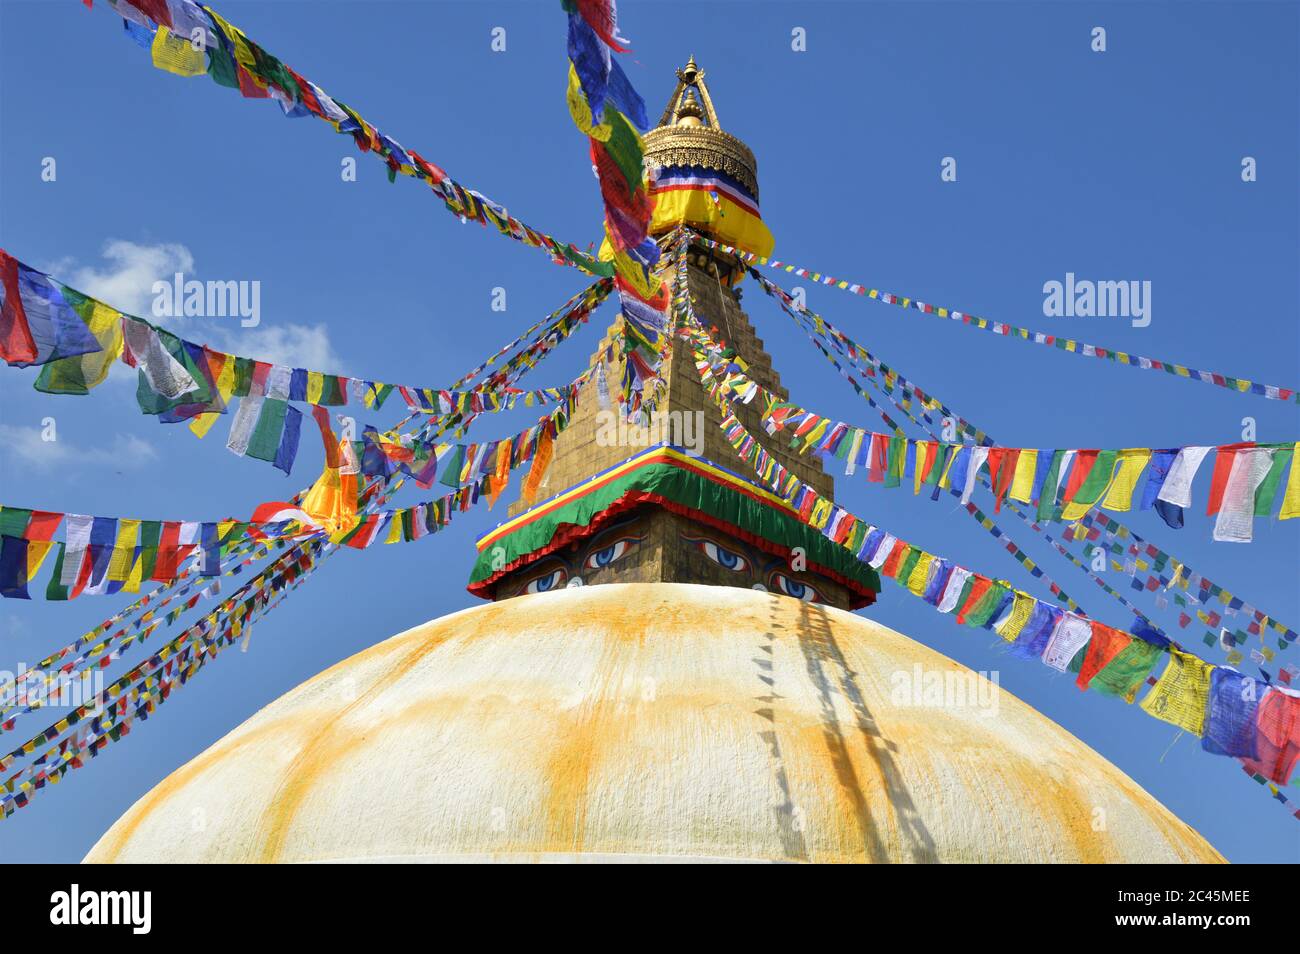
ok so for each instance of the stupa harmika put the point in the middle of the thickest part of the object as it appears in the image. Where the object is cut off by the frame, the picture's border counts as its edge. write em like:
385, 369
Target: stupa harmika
698, 698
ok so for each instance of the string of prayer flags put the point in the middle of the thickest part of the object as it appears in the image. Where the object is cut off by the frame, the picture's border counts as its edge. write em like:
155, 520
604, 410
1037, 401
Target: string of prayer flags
1098, 654
1242, 385
1083, 479
607, 109
37, 324
181, 380
178, 659
1067, 483
109, 640
876, 467
1160, 464
1166, 576
234, 60
140, 691
108, 555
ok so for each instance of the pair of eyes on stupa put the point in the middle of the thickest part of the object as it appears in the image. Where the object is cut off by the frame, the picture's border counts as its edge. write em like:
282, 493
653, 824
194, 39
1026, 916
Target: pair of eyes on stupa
777, 579
596, 560
606, 549
615, 543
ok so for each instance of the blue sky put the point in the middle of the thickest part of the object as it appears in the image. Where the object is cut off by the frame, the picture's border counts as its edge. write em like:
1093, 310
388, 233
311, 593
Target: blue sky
1115, 165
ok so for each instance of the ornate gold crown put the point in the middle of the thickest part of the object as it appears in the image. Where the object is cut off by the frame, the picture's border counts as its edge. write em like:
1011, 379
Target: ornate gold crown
688, 134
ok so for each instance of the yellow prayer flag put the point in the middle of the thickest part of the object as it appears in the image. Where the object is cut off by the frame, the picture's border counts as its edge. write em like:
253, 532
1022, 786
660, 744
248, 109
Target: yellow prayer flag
136, 576
1131, 464
580, 110
821, 513
923, 451
1022, 482
395, 528
315, 386
944, 481
201, 424
128, 538
243, 54
37, 550
1291, 499
920, 574
1022, 609
177, 55
106, 325
1182, 694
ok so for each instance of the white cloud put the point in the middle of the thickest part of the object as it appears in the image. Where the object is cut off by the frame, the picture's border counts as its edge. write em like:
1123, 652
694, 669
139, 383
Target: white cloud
25, 445
126, 281
299, 346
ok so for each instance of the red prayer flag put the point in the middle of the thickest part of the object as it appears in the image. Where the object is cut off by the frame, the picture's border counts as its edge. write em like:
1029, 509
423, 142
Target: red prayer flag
16, 343
1223, 458
1105, 645
1083, 461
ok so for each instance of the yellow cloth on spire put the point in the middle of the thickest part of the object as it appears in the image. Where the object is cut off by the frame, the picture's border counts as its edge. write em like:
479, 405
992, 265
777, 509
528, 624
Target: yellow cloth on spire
726, 220
1131, 464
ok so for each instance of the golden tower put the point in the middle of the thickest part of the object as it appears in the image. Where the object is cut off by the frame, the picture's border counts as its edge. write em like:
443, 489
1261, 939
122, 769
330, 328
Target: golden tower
665, 543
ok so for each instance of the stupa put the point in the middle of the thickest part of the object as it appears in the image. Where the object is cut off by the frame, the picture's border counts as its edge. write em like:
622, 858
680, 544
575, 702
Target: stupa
667, 667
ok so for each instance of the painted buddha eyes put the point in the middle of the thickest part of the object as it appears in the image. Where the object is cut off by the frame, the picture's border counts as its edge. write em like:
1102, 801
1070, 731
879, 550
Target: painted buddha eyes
550, 581
610, 554
792, 587
728, 559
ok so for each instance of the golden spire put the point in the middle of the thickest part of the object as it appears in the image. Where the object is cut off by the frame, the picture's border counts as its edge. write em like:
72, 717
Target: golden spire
689, 133
683, 104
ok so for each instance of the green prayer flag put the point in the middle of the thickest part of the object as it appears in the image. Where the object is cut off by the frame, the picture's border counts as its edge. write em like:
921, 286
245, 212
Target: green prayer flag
55, 590
624, 147
1098, 479
243, 377
1267, 491
897, 460
1123, 676
13, 521
907, 564
266, 434
1047, 498
221, 62
451, 472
